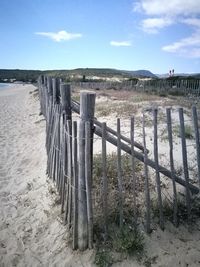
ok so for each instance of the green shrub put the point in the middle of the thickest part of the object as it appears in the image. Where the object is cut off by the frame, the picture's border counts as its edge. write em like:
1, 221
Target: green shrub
123, 241
188, 131
112, 167
103, 258
176, 92
128, 240
163, 94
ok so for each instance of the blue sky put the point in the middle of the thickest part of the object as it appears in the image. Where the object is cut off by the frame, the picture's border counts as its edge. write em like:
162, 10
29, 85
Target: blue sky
157, 35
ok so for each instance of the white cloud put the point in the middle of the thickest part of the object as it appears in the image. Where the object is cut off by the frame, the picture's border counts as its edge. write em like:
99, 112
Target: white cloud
160, 14
165, 13
60, 36
192, 22
188, 47
152, 25
167, 7
122, 43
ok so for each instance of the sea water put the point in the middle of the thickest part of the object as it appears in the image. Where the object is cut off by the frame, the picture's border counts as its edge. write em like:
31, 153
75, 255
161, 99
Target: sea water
4, 85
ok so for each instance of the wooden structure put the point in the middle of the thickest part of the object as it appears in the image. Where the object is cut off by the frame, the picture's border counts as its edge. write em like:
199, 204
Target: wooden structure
69, 148
158, 86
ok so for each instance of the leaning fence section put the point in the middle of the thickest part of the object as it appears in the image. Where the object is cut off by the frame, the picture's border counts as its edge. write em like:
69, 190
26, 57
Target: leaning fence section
69, 156
97, 189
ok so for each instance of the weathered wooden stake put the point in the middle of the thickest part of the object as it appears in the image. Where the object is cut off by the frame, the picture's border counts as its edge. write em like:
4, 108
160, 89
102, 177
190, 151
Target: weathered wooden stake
65, 91
88, 182
196, 131
105, 181
58, 151
69, 171
132, 138
185, 162
75, 186
49, 85
155, 123
169, 127
119, 174
63, 181
87, 104
147, 193
54, 85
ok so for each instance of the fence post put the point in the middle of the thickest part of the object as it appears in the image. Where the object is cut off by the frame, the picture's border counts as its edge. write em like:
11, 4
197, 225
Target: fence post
68, 204
49, 85
185, 162
65, 92
88, 181
147, 193
46, 98
64, 168
56, 90
104, 178
196, 131
171, 156
39, 82
87, 105
119, 174
155, 124
75, 185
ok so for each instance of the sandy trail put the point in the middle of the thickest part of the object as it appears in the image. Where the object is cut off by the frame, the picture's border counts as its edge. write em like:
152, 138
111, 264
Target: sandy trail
31, 231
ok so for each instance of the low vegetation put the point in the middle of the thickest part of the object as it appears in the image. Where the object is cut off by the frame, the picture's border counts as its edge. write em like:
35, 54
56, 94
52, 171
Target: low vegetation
19, 75
119, 109
188, 131
80, 74
120, 241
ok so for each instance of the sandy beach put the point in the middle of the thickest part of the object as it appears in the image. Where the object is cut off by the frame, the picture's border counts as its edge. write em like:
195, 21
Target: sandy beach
31, 229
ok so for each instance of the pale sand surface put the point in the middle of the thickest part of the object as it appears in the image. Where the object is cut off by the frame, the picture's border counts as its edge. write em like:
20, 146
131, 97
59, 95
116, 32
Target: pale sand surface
31, 230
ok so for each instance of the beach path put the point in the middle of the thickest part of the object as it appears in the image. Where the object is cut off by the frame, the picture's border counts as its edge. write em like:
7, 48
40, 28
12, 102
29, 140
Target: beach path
31, 230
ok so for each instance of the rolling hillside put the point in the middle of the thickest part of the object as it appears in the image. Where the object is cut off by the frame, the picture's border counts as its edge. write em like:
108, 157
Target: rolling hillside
75, 74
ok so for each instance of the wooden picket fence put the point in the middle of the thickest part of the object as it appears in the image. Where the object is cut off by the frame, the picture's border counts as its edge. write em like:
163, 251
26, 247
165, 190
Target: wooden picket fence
159, 86
70, 163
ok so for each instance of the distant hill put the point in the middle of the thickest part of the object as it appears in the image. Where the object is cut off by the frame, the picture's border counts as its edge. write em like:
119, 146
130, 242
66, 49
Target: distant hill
101, 72
74, 74
142, 73
7, 75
